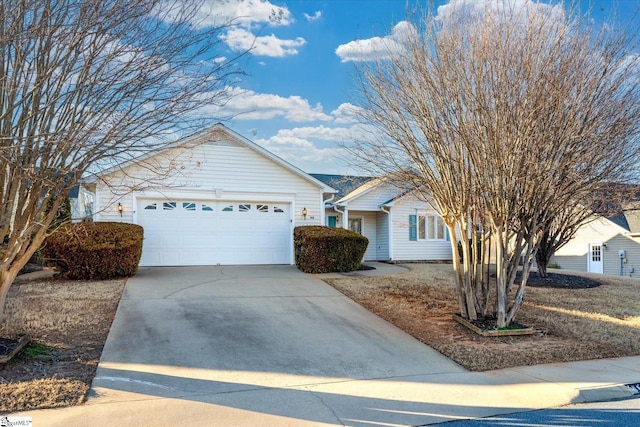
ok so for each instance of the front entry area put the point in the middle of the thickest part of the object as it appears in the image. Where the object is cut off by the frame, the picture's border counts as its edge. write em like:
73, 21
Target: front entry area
213, 232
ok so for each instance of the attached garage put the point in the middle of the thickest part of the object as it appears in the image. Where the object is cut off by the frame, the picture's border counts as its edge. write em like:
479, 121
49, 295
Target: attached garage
210, 232
216, 199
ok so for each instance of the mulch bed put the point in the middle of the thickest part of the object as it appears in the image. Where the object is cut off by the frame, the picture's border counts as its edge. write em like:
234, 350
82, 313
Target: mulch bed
561, 281
10, 347
7, 345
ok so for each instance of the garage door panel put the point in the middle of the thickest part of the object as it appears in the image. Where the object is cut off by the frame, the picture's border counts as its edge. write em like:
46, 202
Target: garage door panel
188, 232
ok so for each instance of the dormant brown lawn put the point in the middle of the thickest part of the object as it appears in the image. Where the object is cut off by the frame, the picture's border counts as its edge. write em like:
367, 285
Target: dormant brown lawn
69, 322
570, 324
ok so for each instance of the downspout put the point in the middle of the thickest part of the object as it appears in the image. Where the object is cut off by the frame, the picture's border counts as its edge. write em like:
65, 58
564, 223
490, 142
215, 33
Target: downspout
323, 215
344, 215
389, 234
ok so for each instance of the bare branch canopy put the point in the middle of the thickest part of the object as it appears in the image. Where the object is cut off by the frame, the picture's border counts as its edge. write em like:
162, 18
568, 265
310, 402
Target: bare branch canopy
503, 117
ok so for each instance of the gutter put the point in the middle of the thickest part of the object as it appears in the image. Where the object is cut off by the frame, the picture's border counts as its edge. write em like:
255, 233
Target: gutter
330, 199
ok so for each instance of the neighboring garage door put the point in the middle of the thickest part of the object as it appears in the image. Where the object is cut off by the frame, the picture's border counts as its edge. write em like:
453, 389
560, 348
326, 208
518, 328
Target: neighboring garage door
206, 232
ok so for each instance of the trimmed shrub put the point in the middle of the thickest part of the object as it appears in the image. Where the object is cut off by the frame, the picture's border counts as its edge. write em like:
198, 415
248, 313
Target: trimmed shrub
95, 250
320, 249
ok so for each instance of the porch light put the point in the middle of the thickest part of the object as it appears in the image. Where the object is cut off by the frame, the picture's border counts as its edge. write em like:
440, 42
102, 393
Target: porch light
304, 213
120, 208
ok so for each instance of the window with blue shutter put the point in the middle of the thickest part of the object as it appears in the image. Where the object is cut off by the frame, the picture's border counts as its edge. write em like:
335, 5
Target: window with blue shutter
413, 227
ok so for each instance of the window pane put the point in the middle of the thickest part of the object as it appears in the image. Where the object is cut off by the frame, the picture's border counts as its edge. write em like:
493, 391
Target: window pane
262, 208
244, 208
440, 228
355, 225
431, 227
189, 206
422, 234
168, 206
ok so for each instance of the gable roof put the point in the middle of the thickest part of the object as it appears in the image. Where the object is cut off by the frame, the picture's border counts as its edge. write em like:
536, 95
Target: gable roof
632, 216
236, 137
620, 220
361, 191
352, 187
343, 184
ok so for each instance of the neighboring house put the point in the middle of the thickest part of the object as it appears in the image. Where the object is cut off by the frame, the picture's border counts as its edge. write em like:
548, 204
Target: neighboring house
212, 198
605, 245
399, 226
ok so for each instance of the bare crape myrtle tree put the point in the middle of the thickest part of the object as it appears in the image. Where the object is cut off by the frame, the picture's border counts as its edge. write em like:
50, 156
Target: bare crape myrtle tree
504, 118
92, 82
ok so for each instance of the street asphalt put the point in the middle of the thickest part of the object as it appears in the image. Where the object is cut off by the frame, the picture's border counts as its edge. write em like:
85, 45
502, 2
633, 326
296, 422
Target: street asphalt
271, 346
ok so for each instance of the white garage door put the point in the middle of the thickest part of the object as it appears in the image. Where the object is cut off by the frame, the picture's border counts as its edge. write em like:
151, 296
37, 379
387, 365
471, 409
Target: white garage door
196, 232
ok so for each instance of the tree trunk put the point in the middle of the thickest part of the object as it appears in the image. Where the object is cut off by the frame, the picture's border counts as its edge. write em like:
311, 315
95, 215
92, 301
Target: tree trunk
457, 268
543, 256
501, 277
6, 280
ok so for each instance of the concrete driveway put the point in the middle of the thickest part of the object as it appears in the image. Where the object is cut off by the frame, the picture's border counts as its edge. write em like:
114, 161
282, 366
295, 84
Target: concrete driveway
269, 345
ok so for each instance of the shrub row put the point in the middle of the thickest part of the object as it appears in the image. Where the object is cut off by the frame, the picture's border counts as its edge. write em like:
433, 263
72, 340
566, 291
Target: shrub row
95, 250
321, 249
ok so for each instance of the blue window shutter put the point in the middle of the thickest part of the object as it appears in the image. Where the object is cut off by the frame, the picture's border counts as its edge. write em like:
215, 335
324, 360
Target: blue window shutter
446, 234
332, 221
413, 227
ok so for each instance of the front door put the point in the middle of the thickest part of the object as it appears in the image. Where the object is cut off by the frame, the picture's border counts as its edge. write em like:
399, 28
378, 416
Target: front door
595, 261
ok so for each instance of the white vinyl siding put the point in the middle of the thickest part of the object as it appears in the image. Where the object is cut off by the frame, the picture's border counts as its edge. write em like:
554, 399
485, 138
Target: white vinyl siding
611, 257
372, 200
218, 170
405, 249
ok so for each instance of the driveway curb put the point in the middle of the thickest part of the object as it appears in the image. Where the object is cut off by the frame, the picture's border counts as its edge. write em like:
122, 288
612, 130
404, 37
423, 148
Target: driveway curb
603, 394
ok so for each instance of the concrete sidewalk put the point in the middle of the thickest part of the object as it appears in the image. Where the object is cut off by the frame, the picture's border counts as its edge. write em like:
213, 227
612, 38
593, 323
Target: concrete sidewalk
236, 346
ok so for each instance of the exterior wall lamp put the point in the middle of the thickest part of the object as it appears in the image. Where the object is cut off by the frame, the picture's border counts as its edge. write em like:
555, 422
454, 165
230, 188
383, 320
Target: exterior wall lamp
120, 208
304, 213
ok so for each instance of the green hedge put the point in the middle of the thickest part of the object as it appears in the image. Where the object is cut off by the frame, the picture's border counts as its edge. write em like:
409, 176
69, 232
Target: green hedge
95, 250
321, 249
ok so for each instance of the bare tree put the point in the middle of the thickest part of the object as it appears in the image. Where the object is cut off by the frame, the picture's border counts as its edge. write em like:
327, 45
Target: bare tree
87, 83
503, 118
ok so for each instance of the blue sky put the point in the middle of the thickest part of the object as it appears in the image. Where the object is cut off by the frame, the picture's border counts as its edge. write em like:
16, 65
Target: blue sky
294, 99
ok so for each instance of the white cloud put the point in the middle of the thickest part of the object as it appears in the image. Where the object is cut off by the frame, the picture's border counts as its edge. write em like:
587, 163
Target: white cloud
239, 40
239, 12
377, 47
297, 150
240, 17
323, 133
315, 148
346, 113
249, 105
524, 8
313, 17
